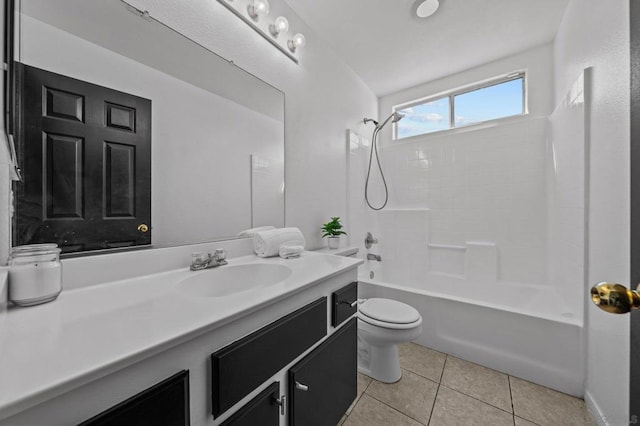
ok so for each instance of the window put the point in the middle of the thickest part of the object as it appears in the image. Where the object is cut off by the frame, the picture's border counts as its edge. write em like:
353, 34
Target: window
489, 101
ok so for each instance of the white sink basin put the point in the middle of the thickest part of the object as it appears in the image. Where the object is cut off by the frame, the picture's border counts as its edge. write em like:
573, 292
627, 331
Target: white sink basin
230, 279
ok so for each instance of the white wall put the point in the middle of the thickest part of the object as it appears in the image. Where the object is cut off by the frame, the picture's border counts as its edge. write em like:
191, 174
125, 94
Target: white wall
596, 34
481, 184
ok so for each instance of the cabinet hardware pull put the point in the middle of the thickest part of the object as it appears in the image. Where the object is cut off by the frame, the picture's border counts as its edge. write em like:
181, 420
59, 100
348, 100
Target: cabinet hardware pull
281, 402
302, 387
354, 303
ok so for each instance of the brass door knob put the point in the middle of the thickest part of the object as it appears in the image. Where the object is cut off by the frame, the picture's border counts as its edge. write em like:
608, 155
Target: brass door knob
143, 228
615, 298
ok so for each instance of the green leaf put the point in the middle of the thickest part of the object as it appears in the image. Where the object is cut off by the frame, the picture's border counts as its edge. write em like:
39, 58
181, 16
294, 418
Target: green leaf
332, 228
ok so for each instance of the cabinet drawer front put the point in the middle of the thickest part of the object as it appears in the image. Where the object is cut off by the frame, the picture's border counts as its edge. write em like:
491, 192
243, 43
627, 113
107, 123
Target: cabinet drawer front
262, 410
324, 383
341, 300
166, 403
242, 366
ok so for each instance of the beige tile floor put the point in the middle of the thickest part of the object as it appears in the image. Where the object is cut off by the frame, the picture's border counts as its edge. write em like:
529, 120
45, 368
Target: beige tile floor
437, 389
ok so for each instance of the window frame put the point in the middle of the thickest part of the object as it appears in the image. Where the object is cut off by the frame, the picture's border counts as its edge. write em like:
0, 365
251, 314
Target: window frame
451, 94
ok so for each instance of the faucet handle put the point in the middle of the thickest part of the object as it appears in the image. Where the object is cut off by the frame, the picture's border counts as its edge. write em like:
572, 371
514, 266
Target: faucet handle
369, 240
220, 254
197, 256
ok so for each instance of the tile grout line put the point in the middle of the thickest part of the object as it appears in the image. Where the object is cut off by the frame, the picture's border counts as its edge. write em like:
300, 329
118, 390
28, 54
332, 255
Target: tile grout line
478, 399
382, 402
513, 409
433, 406
355, 401
421, 375
443, 367
394, 409
474, 397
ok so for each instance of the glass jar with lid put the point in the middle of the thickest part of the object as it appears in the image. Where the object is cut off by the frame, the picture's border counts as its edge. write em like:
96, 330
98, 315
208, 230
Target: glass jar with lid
35, 274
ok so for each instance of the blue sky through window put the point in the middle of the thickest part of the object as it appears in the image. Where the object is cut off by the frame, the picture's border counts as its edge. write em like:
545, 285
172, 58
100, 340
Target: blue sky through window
424, 118
489, 103
504, 99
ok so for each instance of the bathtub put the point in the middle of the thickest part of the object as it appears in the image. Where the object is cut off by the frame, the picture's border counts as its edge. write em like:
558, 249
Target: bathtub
522, 330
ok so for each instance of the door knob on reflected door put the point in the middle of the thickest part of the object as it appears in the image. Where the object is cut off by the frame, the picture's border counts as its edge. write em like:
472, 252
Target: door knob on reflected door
615, 298
143, 228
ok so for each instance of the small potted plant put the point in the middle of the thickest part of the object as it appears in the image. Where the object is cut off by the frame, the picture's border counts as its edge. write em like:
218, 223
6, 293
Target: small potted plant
333, 230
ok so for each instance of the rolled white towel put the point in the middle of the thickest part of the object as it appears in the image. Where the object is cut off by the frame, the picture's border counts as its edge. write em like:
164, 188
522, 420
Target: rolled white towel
267, 243
288, 251
252, 231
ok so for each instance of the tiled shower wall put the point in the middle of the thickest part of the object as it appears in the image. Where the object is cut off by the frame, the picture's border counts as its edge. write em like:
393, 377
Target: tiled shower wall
499, 201
484, 186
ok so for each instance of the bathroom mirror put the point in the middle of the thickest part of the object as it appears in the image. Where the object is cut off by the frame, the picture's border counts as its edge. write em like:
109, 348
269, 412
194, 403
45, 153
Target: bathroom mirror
216, 131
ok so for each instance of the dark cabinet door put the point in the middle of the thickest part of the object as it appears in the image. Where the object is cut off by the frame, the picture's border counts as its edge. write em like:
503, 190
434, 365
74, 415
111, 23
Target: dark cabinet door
164, 404
262, 410
85, 153
324, 383
242, 366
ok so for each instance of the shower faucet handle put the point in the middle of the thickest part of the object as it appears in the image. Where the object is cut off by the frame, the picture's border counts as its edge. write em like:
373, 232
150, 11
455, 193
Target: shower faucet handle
369, 240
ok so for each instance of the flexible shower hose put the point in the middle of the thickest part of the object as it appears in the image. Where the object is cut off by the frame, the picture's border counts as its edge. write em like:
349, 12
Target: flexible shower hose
374, 147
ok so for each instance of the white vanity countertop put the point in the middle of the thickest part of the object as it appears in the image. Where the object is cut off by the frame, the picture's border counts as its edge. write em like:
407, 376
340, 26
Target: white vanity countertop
89, 332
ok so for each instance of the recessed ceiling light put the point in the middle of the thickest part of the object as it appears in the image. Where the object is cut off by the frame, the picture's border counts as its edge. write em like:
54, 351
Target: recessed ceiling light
427, 8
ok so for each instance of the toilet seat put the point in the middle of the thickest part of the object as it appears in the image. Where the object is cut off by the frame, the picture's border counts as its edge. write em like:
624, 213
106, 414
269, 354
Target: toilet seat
388, 313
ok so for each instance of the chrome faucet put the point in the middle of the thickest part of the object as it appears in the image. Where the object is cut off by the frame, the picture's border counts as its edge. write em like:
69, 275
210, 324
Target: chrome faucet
374, 257
199, 261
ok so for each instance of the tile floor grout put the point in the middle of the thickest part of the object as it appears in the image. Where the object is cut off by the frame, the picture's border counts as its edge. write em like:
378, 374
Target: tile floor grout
436, 397
395, 409
434, 402
476, 398
433, 406
513, 409
439, 388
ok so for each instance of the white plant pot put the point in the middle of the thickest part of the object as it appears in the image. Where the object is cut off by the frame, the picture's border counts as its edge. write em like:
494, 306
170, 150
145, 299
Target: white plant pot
333, 242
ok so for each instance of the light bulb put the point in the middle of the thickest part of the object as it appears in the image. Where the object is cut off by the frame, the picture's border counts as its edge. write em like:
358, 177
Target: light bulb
281, 25
257, 8
297, 41
427, 8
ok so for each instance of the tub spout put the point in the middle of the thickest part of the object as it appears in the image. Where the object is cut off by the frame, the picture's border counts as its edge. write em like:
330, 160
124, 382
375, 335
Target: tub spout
374, 257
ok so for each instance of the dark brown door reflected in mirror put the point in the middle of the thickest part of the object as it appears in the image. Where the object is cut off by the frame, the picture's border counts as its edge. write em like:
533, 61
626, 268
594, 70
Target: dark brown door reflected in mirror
86, 156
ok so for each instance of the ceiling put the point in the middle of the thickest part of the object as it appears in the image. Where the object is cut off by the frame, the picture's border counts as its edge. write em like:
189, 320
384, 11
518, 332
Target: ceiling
391, 49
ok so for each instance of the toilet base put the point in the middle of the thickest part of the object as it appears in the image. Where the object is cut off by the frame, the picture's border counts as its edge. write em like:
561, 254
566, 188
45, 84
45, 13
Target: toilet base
379, 363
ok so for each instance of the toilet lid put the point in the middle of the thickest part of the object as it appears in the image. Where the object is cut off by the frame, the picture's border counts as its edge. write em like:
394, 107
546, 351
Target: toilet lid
387, 310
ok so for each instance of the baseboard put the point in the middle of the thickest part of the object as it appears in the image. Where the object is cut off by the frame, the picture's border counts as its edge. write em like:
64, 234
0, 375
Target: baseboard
594, 410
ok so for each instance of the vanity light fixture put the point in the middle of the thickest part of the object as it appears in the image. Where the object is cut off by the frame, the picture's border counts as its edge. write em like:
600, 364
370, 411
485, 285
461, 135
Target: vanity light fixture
280, 25
298, 41
250, 12
257, 8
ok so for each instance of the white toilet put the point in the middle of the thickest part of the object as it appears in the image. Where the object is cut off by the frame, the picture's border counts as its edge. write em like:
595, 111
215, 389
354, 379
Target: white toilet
382, 324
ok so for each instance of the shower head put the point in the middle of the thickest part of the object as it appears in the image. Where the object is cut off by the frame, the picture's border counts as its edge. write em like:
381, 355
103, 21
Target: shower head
395, 117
